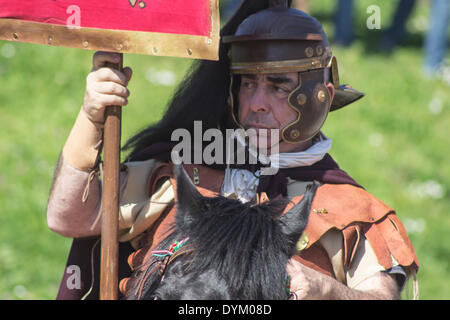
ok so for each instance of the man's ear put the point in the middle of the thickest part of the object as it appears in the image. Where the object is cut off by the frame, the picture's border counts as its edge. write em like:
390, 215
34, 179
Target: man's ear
330, 88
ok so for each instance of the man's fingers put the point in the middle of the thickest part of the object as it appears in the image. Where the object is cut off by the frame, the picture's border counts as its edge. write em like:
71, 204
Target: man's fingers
112, 100
293, 266
112, 88
100, 59
108, 74
295, 269
128, 73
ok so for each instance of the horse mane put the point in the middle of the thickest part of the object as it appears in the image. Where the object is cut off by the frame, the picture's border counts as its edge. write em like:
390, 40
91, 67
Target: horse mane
241, 242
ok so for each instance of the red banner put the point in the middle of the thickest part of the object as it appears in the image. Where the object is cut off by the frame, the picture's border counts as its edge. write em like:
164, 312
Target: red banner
179, 28
192, 17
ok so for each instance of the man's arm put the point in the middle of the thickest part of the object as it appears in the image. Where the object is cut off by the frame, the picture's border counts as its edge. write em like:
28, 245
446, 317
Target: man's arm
307, 283
72, 210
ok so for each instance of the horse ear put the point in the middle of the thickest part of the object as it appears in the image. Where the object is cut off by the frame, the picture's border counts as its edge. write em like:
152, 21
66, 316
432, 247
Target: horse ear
295, 220
189, 200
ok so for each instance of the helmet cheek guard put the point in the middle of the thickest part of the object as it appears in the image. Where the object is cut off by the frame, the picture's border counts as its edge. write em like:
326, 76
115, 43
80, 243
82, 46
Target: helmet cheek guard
311, 100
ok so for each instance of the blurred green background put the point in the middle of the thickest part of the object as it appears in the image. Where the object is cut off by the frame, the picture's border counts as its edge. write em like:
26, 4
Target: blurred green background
394, 141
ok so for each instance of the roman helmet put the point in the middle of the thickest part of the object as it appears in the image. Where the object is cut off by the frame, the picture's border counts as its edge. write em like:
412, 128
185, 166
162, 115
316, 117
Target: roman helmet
280, 40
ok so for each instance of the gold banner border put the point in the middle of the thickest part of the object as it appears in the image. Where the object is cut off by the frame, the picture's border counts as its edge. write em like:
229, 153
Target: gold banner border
151, 43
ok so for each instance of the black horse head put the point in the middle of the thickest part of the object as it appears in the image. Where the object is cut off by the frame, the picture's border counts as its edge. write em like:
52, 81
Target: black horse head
232, 250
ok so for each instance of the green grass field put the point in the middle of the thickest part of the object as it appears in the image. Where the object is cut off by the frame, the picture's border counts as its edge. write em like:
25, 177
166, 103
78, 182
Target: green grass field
394, 142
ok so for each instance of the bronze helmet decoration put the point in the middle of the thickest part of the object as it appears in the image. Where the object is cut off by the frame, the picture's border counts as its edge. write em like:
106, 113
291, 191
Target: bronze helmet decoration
280, 40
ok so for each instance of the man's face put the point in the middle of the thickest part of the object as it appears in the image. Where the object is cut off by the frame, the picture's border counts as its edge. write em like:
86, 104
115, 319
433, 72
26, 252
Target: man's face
263, 104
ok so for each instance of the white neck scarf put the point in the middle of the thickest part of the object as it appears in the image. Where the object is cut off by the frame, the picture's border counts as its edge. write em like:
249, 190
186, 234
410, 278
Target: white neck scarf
241, 184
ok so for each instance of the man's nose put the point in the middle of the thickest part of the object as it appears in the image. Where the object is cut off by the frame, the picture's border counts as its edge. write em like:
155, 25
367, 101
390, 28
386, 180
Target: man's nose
259, 102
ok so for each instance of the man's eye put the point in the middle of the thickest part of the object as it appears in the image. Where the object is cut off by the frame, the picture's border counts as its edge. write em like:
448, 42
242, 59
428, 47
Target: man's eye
247, 84
281, 90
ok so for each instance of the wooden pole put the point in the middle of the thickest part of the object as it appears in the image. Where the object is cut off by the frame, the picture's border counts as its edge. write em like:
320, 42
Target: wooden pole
109, 281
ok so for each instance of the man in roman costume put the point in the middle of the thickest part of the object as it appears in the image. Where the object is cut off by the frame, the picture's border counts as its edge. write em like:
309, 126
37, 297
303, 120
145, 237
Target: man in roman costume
276, 76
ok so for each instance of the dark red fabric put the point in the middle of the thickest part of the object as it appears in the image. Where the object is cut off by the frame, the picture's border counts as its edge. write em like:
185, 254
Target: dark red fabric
81, 252
174, 16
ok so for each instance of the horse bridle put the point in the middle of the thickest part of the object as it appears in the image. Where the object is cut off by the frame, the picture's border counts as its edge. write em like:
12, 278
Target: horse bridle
167, 260
161, 264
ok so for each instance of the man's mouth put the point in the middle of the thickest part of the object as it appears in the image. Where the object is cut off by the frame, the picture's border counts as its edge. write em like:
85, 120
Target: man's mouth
257, 126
